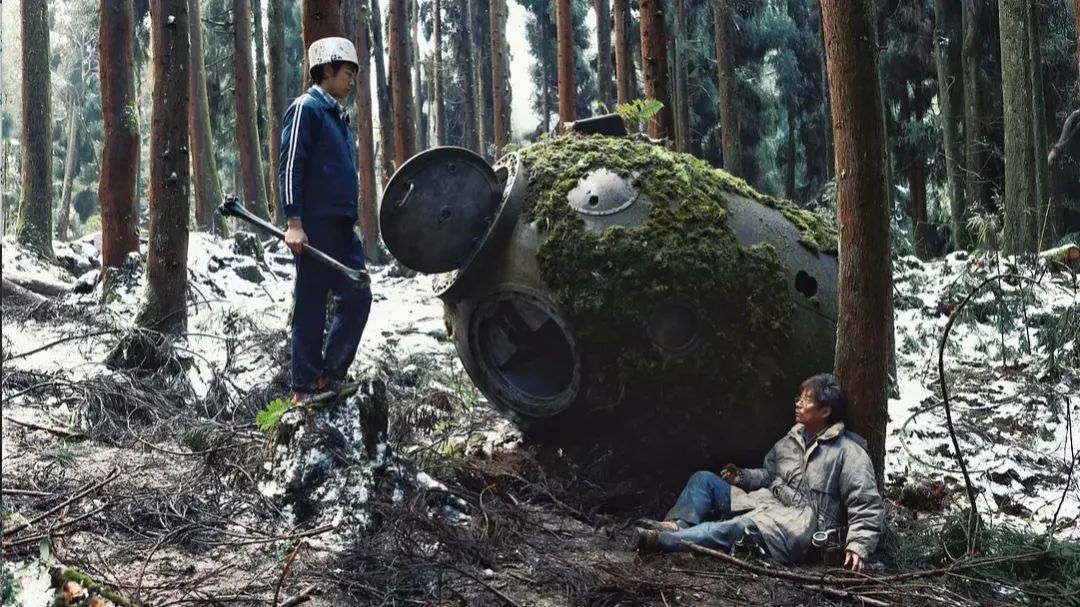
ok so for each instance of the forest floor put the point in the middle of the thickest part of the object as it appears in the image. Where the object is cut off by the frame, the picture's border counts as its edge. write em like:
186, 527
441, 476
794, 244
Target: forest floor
160, 483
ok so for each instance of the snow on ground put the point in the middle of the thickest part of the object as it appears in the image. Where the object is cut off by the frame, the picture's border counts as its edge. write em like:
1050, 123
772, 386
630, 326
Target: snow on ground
1016, 422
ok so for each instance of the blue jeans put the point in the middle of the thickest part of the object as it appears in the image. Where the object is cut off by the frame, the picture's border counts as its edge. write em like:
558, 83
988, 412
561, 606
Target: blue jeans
314, 281
703, 512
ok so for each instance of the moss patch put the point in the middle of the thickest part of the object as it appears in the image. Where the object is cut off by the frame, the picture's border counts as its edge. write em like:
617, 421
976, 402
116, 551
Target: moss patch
556, 164
612, 283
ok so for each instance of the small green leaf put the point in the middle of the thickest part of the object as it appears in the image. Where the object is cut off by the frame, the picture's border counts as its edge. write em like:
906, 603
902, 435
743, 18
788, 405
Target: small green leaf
271, 415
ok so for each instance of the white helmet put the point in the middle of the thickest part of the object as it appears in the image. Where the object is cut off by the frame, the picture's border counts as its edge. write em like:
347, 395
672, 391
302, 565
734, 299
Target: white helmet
327, 50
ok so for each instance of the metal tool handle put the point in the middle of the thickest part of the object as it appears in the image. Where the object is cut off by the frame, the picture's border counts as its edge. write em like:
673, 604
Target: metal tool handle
232, 208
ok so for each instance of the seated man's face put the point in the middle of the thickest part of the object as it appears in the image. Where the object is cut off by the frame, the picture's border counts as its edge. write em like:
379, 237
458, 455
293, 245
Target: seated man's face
808, 413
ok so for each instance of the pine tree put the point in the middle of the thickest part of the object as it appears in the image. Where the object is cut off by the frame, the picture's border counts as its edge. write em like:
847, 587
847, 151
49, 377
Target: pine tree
164, 303
400, 82
120, 153
865, 279
247, 131
34, 224
203, 163
565, 37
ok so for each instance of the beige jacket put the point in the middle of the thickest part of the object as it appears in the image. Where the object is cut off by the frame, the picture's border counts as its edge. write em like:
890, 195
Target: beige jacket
800, 491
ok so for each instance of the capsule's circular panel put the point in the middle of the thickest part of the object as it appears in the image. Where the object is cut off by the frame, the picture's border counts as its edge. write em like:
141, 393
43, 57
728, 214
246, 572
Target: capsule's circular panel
437, 208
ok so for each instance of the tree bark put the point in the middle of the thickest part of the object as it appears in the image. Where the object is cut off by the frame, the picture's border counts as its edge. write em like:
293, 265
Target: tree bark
382, 89
34, 224
865, 277
789, 158
976, 192
545, 92
729, 117
468, 75
682, 88
369, 196
436, 74
1045, 226
319, 19
203, 163
247, 132
603, 52
275, 95
260, 78
417, 81
477, 63
1076, 11
1020, 169
164, 304
564, 24
70, 161
624, 64
499, 73
400, 81
947, 37
120, 154
654, 65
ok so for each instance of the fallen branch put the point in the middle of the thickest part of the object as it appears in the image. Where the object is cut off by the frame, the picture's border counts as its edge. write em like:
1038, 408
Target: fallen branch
847, 595
499, 593
865, 580
285, 570
305, 595
61, 574
52, 530
38, 286
50, 429
108, 479
19, 294
61, 341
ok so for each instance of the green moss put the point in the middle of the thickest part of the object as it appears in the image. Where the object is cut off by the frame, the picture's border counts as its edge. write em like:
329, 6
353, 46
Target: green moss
612, 283
556, 164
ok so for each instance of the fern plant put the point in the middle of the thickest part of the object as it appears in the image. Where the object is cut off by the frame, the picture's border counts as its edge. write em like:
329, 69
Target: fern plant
638, 112
271, 415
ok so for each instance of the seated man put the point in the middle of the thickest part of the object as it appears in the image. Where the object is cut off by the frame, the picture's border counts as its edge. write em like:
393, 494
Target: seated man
812, 478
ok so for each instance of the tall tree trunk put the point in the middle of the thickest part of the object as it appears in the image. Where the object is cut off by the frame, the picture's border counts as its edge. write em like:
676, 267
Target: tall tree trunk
1076, 11
725, 59
260, 78
319, 19
499, 73
603, 52
120, 154
247, 133
564, 23
34, 224
382, 89
624, 63
275, 94
70, 161
468, 75
947, 37
1020, 168
916, 163
865, 278
976, 192
369, 196
203, 163
654, 66
790, 158
827, 113
164, 304
545, 91
437, 75
400, 70
477, 63
417, 81
1045, 228
682, 87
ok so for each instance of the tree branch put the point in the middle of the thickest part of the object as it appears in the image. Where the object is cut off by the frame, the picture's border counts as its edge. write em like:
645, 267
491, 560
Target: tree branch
1068, 130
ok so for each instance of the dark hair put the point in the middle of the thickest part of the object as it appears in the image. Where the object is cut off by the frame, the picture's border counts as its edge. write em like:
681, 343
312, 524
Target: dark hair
317, 73
827, 393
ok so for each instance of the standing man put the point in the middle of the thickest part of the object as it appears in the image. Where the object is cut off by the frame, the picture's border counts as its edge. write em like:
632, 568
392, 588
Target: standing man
319, 189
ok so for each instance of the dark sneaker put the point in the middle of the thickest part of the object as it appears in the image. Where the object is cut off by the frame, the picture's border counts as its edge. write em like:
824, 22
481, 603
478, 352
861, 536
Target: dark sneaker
327, 384
646, 540
655, 525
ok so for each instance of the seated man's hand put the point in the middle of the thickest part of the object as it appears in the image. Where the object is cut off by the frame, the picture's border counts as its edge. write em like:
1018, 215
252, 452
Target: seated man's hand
853, 561
730, 473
